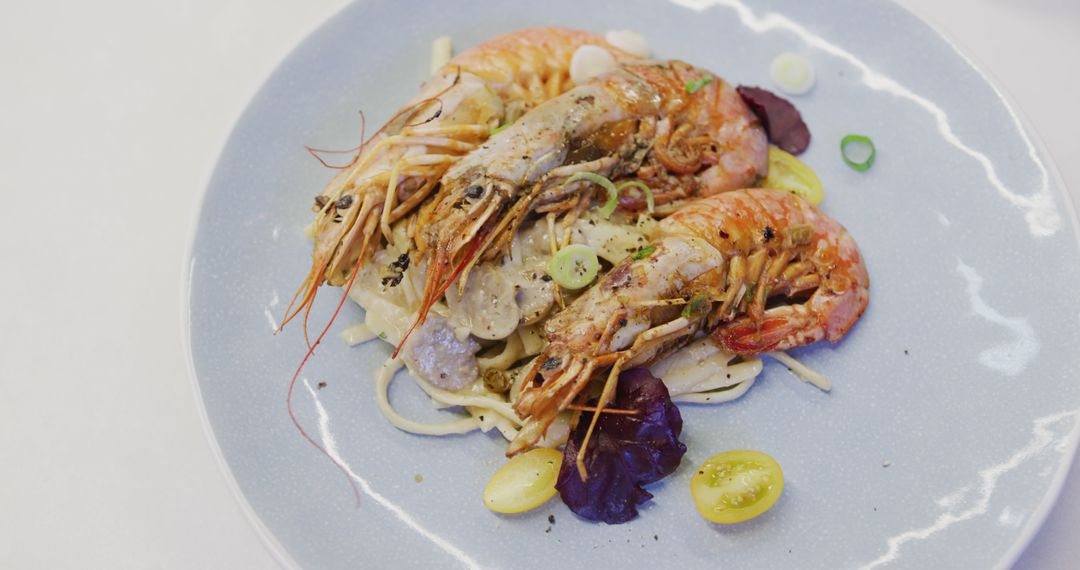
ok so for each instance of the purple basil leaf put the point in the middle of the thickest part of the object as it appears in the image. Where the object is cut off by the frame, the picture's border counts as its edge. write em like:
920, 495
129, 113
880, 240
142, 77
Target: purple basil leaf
782, 121
625, 452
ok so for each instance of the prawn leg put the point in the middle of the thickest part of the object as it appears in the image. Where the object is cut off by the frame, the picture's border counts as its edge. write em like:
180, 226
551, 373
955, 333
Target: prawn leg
717, 264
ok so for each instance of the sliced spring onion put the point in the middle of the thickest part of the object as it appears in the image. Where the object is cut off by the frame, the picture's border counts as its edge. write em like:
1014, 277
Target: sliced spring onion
629, 41
613, 193
590, 61
574, 266
643, 252
858, 152
695, 84
749, 293
791, 174
696, 305
649, 201
498, 129
792, 73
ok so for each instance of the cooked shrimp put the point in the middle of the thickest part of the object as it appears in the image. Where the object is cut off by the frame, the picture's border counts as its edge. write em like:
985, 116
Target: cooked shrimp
530, 66
717, 262
400, 166
639, 120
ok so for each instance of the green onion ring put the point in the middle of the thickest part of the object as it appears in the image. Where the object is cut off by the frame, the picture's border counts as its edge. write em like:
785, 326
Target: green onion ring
644, 189
858, 140
613, 193
574, 266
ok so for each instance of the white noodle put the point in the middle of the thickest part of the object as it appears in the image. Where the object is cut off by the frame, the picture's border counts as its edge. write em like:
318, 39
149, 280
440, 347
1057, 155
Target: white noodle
802, 371
358, 334
382, 397
716, 397
458, 399
532, 339
701, 366
734, 374
699, 373
511, 352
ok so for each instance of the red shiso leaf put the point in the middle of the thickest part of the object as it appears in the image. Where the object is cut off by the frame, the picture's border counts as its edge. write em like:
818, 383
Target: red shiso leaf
625, 452
782, 121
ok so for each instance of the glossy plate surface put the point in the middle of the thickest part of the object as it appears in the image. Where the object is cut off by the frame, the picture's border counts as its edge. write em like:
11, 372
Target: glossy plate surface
955, 407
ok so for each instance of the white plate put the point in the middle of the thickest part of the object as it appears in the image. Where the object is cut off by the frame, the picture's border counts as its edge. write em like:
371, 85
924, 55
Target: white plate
955, 411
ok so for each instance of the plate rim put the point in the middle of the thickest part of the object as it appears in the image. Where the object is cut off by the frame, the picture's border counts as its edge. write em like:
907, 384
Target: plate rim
1053, 492
281, 555
266, 537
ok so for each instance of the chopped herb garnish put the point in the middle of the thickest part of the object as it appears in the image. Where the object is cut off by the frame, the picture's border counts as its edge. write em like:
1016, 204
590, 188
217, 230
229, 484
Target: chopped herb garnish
694, 84
643, 252
498, 129
382, 335
749, 293
696, 305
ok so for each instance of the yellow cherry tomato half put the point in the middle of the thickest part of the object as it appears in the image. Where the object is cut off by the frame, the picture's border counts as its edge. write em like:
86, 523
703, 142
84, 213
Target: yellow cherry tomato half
789, 173
526, 482
736, 486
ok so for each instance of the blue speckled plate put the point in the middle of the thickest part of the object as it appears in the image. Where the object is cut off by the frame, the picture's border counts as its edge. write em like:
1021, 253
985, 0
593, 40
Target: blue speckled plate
956, 404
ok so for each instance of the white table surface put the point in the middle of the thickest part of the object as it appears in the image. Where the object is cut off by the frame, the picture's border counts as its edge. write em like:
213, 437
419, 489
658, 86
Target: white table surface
112, 114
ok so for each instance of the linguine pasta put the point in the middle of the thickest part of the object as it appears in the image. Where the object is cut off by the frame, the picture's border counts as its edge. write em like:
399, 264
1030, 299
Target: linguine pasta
698, 373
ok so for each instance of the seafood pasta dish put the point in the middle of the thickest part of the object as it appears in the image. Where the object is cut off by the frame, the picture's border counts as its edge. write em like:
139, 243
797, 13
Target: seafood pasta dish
563, 237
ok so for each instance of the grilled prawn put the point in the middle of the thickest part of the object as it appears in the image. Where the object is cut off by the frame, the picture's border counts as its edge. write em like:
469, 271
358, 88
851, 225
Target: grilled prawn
400, 166
640, 120
717, 262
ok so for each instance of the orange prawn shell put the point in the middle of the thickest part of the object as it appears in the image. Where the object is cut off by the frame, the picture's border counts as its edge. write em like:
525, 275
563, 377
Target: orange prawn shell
714, 112
735, 223
532, 64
